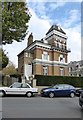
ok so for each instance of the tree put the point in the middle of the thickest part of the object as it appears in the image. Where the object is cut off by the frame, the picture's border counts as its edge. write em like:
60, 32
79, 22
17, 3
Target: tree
10, 69
3, 59
15, 16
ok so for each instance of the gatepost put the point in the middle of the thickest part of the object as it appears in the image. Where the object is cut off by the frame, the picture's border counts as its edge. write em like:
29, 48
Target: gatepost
34, 83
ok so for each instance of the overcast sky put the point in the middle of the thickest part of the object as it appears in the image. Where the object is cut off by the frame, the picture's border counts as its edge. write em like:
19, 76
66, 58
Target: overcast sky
44, 14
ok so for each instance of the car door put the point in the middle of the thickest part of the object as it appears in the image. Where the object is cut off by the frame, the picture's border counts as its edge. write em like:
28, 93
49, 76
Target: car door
67, 90
14, 89
25, 88
64, 90
59, 91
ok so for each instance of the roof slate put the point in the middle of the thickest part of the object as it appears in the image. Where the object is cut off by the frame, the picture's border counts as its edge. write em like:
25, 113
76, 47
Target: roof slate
55, 27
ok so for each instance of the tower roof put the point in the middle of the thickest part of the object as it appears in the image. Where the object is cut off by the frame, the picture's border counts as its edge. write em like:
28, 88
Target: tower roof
55, 27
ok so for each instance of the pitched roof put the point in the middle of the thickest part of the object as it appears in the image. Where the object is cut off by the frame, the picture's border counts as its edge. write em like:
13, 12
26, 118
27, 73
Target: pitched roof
55, 27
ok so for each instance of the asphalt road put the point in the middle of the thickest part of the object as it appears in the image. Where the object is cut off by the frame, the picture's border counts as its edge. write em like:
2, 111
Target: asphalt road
0, 108
41, 107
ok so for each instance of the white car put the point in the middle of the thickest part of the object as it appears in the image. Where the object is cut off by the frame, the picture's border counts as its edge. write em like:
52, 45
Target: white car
18, 89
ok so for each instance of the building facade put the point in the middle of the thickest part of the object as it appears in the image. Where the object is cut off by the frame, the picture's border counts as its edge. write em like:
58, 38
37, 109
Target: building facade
47, 56
76, 68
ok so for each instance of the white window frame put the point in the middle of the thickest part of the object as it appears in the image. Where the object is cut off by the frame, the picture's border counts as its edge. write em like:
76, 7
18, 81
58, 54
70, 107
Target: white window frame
63, 59
45, 70
45, 56
61, 71
26, 54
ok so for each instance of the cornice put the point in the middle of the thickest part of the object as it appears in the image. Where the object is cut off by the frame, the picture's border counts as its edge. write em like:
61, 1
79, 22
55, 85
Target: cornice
52, 63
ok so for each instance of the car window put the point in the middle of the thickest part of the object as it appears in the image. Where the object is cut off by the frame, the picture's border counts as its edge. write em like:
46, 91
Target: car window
24, 85
16, 85
58, 87
61, 87
66, 87
71, 87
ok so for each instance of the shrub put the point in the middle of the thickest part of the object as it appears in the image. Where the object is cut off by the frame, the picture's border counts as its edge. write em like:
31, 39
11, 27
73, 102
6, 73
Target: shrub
52, 80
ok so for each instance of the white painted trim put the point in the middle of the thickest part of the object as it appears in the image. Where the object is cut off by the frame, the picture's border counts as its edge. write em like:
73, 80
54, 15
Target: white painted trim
57, 33
50, 62
44, 52
39, 44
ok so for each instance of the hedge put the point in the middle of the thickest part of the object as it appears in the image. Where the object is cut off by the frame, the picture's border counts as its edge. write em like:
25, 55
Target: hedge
52, 80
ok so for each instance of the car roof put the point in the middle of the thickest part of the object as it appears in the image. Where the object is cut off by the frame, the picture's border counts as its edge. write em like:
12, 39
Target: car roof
64, 84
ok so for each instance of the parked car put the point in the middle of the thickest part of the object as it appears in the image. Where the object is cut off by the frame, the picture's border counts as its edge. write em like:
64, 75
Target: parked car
81, 99
18, 89
59, 90
79, 91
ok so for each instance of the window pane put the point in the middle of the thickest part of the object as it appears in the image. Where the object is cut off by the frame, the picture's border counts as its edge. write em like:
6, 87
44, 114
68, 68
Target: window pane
16, 85
61, 71
45, 70
45, 55
24, 85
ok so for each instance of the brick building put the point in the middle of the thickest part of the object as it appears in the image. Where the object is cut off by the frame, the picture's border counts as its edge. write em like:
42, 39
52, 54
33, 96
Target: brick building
76, 68
47, 56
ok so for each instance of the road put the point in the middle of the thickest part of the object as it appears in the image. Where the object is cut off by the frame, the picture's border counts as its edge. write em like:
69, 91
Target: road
41, 107
0, 108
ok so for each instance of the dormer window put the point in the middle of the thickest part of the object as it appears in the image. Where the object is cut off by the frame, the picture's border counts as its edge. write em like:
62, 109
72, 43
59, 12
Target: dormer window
26, 54
60, 45
57, 44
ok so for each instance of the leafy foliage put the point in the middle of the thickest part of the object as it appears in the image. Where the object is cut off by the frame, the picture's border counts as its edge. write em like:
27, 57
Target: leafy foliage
10, 69
52, 80
15, 15
3, 59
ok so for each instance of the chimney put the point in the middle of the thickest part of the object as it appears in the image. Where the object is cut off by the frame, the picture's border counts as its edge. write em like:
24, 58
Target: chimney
30, 39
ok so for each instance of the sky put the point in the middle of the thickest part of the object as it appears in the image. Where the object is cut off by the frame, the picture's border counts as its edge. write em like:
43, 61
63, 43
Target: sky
82, 31
65, 13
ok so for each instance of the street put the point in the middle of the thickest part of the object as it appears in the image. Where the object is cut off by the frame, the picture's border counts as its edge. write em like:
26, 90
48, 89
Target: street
0, 108
41, 107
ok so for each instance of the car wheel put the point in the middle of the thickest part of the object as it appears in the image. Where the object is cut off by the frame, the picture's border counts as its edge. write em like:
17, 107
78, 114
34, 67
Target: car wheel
28, 94
2, 93
72, 95
51, 94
